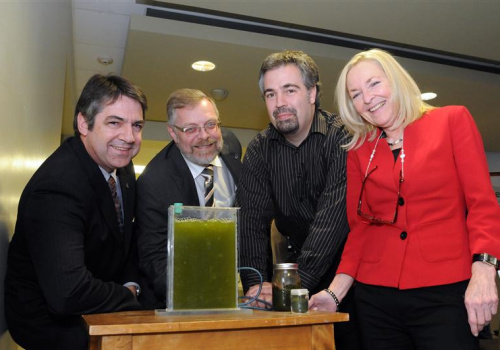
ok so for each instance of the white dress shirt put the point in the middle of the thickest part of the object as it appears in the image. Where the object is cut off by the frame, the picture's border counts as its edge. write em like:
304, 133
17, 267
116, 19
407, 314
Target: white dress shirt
224, 186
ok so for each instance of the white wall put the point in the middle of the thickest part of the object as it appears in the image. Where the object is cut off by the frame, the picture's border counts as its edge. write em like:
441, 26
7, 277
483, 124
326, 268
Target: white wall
35, 46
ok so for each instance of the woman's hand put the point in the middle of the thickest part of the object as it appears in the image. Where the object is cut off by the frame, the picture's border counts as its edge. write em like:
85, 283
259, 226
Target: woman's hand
481, 296
323, 301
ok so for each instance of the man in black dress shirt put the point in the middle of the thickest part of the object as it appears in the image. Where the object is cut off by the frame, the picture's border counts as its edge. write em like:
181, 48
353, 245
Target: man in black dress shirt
294, 173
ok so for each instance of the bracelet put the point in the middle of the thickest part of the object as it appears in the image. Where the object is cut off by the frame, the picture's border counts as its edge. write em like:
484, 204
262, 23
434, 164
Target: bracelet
333, 296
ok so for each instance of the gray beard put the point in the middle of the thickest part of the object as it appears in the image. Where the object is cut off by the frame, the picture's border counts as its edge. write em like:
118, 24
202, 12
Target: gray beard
205, 160
288, 126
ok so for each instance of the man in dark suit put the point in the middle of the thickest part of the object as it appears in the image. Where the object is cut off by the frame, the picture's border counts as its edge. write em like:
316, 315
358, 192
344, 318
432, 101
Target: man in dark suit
176, 175
72, 252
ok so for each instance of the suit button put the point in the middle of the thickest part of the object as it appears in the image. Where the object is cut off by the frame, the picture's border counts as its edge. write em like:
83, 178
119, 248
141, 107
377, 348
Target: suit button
403, 235
401, 201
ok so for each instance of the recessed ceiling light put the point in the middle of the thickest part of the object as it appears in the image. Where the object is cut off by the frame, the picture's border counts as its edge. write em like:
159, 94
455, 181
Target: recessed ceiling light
219, 94
203, 66
105, 60
426, 96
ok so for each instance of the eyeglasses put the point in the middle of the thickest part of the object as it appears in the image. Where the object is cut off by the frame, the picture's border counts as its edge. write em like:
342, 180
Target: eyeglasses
372, 218
195, 129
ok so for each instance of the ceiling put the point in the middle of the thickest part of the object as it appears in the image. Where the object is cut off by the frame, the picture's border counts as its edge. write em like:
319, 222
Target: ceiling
156, 53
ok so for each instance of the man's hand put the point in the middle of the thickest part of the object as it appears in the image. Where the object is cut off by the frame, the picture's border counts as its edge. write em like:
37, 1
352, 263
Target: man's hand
266, 294
481, 296
133, 289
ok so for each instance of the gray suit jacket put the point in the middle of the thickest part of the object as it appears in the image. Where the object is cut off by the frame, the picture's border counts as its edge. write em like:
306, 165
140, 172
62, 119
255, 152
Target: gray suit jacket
167, 180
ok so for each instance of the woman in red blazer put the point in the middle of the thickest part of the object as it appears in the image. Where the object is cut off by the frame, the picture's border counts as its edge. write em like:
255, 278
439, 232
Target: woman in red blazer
423, 215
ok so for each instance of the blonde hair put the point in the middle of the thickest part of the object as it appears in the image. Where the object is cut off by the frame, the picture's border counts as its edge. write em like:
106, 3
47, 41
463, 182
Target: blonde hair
405, 97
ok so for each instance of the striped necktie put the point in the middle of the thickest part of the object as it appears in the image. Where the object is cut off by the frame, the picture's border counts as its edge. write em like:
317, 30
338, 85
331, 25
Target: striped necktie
208, 174
116, 200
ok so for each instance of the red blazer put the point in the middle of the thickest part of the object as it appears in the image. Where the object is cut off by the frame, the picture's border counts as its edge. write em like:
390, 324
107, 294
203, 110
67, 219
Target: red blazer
448, 211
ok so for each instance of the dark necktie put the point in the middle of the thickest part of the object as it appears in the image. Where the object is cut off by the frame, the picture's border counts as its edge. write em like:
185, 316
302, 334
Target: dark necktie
208, 174
114, 194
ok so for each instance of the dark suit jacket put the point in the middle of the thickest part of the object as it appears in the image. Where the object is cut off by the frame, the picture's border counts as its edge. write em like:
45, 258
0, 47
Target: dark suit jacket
67, 256
165, 181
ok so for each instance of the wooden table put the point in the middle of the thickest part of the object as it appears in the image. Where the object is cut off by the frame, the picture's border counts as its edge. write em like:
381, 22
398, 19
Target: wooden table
255, 330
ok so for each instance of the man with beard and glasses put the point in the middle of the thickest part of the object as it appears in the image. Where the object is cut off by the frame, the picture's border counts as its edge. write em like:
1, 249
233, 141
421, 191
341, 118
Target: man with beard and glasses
177, 175
294, 173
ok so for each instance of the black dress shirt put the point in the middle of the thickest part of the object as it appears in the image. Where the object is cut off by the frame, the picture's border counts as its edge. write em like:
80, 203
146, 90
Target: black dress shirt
303, 189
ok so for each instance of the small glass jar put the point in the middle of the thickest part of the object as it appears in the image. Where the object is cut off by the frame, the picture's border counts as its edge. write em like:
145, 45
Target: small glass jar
285, 278
299, 301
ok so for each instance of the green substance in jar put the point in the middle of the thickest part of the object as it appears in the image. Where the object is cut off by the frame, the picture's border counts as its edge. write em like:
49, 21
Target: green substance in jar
299, 303
205, 265
281, 297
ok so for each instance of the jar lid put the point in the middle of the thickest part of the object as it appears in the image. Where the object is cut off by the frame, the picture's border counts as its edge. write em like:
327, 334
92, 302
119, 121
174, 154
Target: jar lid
286, 266
299, 292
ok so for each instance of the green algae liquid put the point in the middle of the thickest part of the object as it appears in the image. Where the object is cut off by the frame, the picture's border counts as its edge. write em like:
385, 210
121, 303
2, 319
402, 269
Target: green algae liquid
205, 264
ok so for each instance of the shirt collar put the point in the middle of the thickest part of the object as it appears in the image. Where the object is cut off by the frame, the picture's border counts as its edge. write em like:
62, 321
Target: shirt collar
107, 175
196, 169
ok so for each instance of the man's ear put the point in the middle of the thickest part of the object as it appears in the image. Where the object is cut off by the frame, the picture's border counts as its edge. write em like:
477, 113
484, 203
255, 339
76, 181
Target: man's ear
312, 94
83, 126
172, 133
